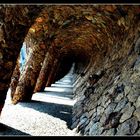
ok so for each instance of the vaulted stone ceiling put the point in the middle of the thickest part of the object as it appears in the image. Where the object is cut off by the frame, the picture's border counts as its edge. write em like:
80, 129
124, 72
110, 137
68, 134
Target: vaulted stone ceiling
94, 37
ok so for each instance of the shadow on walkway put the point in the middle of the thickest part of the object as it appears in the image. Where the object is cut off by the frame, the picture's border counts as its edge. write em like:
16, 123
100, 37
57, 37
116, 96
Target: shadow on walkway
64, 112
6, 131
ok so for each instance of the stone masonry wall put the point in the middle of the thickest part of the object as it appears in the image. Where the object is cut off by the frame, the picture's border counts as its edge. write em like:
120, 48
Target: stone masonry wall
110, 103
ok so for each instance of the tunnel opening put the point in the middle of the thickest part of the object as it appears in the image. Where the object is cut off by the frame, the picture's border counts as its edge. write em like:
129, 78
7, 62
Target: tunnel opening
102, 42
79, 62
65, 66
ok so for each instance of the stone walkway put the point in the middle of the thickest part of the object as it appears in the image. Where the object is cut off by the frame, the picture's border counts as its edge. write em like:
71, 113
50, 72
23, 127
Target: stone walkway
48, 114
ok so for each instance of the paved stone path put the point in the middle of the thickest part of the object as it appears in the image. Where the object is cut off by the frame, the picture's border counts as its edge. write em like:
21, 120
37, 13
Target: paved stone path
48, 114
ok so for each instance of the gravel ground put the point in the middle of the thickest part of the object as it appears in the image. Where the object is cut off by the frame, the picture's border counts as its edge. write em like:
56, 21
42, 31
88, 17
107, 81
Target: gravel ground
44, 116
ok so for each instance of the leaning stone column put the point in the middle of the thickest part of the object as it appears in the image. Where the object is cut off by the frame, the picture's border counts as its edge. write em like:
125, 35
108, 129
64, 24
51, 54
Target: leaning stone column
30, 74
44, 73
15, 78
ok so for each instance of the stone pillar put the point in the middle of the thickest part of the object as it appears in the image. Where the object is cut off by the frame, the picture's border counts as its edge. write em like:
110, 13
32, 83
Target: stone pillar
30, 74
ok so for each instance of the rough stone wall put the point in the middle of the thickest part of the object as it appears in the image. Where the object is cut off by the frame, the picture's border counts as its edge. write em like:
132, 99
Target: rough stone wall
14, 24
110, 101
108, 88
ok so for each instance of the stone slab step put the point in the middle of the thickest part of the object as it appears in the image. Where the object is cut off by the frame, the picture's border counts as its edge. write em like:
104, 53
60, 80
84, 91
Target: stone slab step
58, 89
67, 77
60, 85
63, 83
62, 93
66, 81
45, 95
58, 94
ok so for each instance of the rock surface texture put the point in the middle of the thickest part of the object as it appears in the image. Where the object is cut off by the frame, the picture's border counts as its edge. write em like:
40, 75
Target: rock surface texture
101, 42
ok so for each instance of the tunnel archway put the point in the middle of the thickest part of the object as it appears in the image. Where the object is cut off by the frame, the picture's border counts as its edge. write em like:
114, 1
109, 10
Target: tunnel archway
99, 39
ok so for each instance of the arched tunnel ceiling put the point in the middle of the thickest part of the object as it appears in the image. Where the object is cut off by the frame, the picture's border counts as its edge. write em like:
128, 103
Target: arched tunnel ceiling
84, 33
103, 42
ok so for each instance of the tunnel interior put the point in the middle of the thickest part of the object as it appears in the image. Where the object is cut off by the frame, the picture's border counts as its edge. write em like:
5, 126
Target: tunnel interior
101, 42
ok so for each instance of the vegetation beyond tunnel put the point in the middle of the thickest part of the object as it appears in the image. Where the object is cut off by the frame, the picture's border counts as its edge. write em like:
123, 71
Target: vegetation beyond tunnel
102, 41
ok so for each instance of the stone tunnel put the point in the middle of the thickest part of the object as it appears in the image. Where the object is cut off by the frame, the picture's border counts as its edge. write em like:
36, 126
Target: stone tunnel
103, 43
